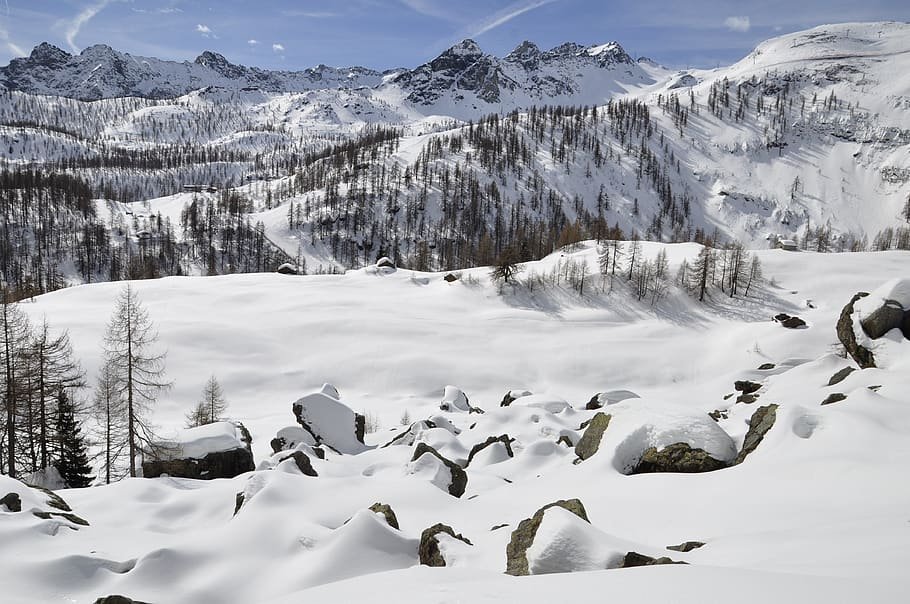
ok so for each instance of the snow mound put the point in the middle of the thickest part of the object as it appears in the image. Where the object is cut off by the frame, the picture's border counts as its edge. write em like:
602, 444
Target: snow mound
549, 402
565, 543
644, 424
611, 397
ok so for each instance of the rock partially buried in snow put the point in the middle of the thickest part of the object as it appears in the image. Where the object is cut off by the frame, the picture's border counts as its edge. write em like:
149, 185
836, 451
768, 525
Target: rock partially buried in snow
12, 502
686, 546
610, 397
759, 424
434, 542
115, 599
678, 457
548, 402
790, 322
302, 462
385, 262
590, 440
203, 453
634, 559
513, 395
443, 473
523, 536
886, 308
331, 422
454, 399
387, 512
840, 376
502, 442
409, 436
288, 439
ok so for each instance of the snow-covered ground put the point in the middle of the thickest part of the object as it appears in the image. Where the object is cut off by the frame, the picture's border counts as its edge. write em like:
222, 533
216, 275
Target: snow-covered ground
818, 512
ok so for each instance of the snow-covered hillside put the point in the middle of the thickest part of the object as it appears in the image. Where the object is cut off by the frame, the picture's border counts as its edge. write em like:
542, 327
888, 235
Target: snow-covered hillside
817, 511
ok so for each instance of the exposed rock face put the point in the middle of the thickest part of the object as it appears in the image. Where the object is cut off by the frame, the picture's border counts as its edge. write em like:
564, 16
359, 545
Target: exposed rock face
12, 501
762, 420
840, 376
678, 457
590, 440
634, 559
523, 536
834, 397
219, 464
459, 480
428, 551
303, 463
502, 438
389, 514
686, 546
863, 356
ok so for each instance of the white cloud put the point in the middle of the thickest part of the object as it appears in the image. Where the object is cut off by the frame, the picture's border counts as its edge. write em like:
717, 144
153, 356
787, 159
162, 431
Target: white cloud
87, 14
203, 29
278, 47
15, 49
252, 42
429, 8
740, 24
504, 16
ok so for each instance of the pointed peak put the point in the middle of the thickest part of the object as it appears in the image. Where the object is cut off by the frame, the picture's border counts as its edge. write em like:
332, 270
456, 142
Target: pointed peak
466, 47
525, 50
48, 55
611, 52
97, 49
209, 58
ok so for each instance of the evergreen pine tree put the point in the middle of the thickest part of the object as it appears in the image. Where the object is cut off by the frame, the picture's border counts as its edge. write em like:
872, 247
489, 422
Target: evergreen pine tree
72, 461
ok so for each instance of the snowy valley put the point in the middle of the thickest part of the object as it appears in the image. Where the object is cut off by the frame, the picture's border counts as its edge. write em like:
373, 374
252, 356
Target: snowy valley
559, 324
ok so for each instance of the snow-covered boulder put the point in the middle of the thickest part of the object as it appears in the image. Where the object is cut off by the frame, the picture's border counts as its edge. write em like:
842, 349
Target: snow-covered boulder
18, 498
886, 308
658, 430
524, 535
445, 474
287, 269
491, 451
215, 450
455, 400
288, 438
610, 397
414, 432
331, 422
513, 395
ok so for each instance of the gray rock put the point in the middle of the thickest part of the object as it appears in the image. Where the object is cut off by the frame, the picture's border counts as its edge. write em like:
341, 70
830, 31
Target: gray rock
450, 277
502, 438
117, 600
678, 457
840, 376
883, 319
747, 399
218, 464
759, 424
834, 397
386, 510
863, 356
686, 546
238, 502
633, 559
459, 476
790, 322
523, 536
590, 440
766, 366
303, 463
565, 440
428, 550
65, 515
12, 501
745, 386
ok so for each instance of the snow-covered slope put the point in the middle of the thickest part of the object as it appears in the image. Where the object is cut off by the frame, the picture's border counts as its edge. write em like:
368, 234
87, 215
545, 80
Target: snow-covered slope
816, 512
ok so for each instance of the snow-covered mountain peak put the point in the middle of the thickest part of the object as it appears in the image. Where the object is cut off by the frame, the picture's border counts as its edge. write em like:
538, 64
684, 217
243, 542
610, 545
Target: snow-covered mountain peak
48, 55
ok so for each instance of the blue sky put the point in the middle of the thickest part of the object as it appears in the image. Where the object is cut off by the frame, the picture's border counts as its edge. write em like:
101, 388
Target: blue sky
383, 34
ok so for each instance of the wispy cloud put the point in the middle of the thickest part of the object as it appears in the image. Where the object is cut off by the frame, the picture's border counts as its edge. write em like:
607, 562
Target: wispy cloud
430, 8
278, 47
310, 14
740, 24
14, 48
205, 30
505, 15
252, 42
74, 26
